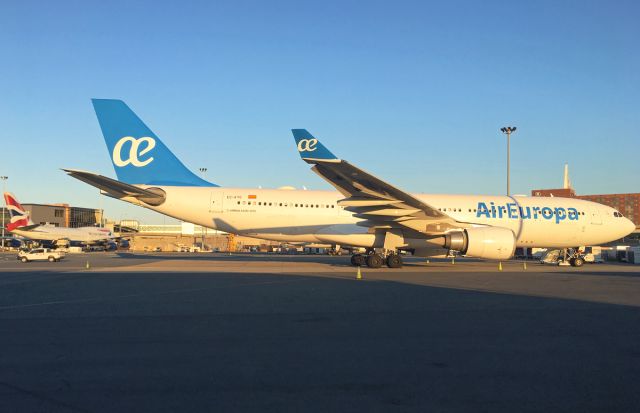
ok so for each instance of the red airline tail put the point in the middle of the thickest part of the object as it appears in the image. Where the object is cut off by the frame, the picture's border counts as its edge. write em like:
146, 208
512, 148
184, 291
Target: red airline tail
19, 217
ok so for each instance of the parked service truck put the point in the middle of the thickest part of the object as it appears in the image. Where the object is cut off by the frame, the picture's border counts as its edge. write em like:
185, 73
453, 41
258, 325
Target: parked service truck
41, 254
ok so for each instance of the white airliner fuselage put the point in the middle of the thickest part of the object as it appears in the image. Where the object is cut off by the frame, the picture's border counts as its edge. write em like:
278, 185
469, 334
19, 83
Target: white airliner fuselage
315, 216
84, 235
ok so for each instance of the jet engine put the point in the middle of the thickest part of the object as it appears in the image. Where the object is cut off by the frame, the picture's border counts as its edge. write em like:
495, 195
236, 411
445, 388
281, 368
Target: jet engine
483, 242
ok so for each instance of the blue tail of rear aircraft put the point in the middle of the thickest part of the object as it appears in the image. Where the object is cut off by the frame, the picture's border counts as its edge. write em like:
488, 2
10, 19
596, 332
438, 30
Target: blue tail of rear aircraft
138, 155
310, 147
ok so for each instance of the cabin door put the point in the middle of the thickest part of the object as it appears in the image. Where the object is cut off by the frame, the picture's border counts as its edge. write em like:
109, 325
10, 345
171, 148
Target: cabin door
216, 201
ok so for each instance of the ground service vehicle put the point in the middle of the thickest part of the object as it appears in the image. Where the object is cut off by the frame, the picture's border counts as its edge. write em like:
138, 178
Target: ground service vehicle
40, 254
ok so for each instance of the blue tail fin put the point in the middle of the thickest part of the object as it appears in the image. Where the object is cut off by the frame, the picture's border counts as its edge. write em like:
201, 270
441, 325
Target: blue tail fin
138, 155
311, 148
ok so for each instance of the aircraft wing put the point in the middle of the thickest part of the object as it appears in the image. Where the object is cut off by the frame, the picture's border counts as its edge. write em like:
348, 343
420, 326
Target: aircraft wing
117, 189
379, 204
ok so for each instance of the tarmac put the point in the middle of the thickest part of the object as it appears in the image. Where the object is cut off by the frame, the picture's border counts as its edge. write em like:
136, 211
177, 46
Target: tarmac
271, 333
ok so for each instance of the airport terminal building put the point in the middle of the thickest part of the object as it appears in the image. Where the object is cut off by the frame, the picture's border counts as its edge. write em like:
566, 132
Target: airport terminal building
63, 215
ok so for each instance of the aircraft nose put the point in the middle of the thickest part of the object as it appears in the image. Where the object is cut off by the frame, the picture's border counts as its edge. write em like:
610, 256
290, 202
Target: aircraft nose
629, 226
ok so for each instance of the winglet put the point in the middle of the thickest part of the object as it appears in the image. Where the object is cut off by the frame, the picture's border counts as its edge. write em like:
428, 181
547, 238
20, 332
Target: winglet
310, 148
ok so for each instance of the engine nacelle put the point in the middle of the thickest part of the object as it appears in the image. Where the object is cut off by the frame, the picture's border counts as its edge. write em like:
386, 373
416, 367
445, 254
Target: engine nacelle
483, 242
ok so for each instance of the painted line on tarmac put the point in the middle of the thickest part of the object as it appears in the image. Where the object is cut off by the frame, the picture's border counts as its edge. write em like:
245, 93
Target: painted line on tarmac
118, 297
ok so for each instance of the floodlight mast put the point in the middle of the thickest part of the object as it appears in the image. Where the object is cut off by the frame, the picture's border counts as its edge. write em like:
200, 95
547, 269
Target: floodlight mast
508, 130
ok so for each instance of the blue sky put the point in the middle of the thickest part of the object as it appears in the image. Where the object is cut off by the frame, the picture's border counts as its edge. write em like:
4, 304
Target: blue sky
414, 92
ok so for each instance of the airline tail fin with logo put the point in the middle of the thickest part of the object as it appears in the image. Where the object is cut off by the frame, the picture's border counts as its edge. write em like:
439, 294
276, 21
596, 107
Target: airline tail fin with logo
19, 216
310, 148
138, 155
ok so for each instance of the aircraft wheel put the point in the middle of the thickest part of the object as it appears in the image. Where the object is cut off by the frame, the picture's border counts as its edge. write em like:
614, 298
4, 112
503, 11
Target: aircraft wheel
358, 260
577, 262
374, 261
394, 261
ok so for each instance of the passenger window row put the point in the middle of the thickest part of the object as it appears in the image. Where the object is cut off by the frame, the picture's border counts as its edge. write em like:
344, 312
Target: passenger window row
327, 206
286, 204
502, 208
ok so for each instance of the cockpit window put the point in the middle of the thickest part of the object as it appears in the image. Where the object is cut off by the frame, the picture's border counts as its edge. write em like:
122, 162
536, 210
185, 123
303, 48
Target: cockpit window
617, 214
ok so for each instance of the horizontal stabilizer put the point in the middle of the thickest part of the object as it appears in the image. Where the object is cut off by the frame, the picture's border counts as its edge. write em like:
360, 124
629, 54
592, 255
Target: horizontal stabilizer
28, 227
117, 189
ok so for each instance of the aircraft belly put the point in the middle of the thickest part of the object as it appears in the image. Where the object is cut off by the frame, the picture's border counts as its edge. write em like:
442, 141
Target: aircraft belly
284, 237
281, 227
356, 240
347, 234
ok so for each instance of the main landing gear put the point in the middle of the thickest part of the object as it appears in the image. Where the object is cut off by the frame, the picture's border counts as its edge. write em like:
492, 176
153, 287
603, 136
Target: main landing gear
375, 260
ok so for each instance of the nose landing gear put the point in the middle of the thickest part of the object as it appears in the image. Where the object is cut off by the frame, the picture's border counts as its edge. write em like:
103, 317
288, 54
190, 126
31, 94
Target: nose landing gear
573, 256
577, 261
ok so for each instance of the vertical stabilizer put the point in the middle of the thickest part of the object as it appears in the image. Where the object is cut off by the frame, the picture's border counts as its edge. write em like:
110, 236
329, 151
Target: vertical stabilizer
19, 217
138, 155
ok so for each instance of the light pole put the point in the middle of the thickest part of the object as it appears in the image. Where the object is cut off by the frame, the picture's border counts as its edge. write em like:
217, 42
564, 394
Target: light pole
507, 130
101, 209
4, 208
203, 231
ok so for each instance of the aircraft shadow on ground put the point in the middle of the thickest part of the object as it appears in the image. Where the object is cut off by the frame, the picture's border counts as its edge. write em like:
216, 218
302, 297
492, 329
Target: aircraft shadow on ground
341, 260
344, 261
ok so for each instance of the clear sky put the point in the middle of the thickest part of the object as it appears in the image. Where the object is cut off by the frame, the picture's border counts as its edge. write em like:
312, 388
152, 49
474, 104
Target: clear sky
414, 92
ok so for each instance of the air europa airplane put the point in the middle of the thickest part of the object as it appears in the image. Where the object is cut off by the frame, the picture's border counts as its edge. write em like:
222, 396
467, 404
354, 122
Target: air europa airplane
364, 211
